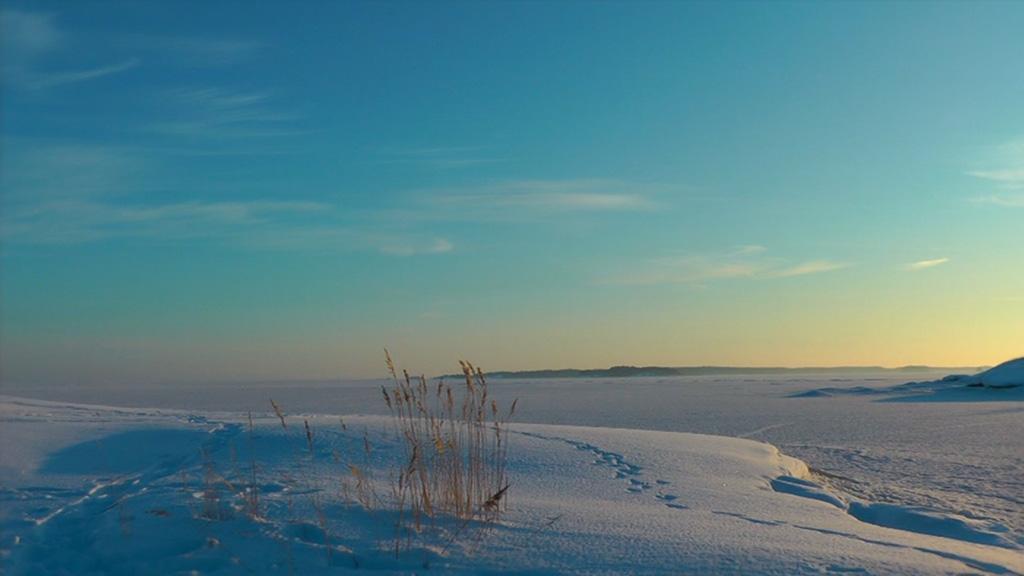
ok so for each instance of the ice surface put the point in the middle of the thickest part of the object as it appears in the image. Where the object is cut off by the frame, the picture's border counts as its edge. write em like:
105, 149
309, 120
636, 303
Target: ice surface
97, 490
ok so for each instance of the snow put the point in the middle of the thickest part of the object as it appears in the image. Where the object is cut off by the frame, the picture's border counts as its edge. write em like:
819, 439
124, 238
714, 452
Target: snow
1006, 375
1006, 380
91, 489
927, 521
1009, 374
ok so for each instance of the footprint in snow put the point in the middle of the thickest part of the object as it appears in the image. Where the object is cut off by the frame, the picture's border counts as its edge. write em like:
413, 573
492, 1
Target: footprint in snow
670, 501
623, 470
638, 485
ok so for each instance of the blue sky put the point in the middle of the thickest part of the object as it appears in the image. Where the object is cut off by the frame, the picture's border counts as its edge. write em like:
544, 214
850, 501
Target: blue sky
208, 191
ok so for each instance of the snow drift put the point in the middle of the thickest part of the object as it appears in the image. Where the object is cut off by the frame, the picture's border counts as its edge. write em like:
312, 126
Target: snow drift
1003, 382
1009, 374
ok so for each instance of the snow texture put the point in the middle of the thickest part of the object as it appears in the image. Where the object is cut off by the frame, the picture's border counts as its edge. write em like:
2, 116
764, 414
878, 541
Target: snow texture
103, 490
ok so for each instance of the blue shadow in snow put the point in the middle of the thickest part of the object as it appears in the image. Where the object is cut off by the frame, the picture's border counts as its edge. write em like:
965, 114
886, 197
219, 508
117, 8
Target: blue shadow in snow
125, 452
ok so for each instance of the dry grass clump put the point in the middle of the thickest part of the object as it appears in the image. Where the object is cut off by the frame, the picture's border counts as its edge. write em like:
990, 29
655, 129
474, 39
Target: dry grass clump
455, 448
449, 473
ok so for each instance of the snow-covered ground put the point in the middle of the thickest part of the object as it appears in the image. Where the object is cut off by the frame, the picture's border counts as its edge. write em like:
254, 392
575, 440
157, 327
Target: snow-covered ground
1009, 374
609, 478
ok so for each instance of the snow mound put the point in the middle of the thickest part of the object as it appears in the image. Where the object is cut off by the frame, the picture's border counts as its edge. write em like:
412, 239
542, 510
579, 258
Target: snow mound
925, 521
807, 489
837, 391
909, 518
995, 384
1009, 374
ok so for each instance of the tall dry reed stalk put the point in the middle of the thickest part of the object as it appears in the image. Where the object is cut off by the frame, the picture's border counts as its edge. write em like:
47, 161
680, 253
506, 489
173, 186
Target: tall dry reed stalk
455, 448
453, 442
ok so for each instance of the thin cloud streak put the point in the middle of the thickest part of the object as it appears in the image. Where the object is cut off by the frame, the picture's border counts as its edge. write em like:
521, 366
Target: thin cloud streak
548, 196
925, 264
1008, 200
441, 157
553, 201
218, 99
28, 36
744, 262
214, 112
53, 79
334, 236
71, 222
399, 247
1004, 167
751, 249
37, 172
192, 51
257, 224
805, 268
1013, 176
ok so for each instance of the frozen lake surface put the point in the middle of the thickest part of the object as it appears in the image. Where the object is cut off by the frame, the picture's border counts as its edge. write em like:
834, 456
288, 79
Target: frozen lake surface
960, 453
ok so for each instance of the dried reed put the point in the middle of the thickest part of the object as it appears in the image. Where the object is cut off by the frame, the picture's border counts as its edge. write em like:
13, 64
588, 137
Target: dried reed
454, 445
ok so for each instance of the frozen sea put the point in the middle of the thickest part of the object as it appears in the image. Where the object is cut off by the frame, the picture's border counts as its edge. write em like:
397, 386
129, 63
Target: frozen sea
959, 453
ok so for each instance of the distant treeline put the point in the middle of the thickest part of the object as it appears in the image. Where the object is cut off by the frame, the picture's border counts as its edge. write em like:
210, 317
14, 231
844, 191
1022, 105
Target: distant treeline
638, 371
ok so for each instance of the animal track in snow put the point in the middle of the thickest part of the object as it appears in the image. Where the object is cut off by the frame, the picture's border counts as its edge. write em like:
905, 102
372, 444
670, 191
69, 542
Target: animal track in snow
622, 469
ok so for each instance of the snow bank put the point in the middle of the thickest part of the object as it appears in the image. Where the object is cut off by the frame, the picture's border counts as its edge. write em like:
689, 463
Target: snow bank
955, 387
925, 521
1009, 374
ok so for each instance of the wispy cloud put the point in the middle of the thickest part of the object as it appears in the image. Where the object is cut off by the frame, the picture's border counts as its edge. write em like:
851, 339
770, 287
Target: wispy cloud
545, 196
67, 193
222, 113
28, 37
331, 235
191, 51
1009, 200
1004, 169
750, 249
577, 201
39, 171
74, 222
52, 79
743, 262
1011, 177
253, 224
924, 264
441, 157
219, 99
409, 247
805, 268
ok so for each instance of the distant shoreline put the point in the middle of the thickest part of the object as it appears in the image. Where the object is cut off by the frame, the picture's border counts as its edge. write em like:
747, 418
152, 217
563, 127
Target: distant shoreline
641, 371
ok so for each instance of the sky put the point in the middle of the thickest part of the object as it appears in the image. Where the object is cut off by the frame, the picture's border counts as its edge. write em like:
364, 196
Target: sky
201, 191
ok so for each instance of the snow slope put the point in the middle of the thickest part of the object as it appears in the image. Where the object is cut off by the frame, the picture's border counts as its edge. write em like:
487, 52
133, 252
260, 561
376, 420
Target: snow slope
97, 490
1009, 374
1002, 382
